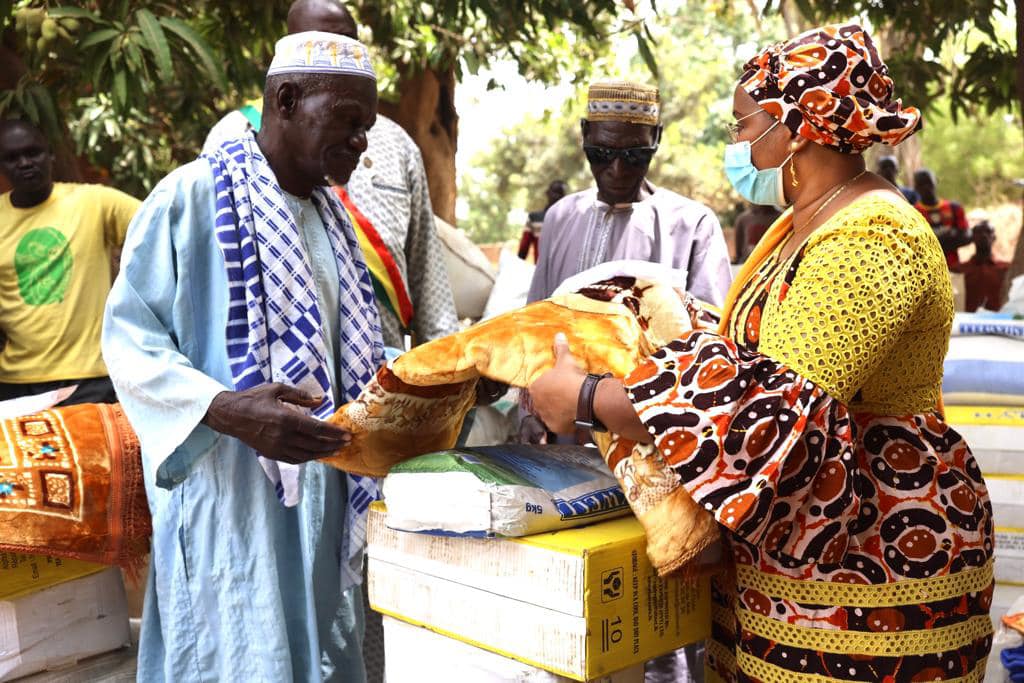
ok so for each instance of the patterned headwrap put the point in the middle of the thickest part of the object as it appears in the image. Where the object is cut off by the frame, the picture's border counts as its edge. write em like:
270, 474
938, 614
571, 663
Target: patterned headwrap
316, 52
623, 101
830, 86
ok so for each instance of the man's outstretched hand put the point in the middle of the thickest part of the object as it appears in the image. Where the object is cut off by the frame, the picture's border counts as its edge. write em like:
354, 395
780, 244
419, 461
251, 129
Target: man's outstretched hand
264, 419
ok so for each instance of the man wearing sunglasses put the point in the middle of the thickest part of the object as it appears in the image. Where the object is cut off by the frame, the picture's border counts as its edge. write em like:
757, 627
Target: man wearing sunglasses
625, 216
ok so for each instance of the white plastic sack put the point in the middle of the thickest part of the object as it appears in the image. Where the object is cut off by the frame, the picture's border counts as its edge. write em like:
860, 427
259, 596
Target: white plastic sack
470, 273
26, 405
1015, 298
513, 490
989, 365
1005, 638
511, 287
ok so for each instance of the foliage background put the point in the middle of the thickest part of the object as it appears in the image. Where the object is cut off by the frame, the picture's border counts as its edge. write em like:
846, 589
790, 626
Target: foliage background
134, 85
131, 87
700, 49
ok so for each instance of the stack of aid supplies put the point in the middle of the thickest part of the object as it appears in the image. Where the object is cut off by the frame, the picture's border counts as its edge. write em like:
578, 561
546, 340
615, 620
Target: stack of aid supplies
55, 612
983, 391
72, 511
483, 601
500, 564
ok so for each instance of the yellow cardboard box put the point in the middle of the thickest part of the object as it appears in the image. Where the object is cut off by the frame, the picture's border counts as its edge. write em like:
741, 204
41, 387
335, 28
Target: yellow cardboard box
63, 624
1006, 416
581, 603
23, 574
995, 435
413, 654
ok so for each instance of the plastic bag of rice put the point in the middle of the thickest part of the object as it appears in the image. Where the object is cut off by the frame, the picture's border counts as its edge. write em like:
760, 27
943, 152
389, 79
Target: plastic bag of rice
512, 490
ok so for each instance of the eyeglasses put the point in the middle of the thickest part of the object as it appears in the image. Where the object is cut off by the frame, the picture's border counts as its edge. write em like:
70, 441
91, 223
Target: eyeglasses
735, 127
634, 156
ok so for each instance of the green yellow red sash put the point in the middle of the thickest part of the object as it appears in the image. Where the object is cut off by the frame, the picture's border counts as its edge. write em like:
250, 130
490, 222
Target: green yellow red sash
388, 284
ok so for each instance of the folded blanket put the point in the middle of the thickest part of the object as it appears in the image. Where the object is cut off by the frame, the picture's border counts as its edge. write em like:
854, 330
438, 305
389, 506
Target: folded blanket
611, 326
392, 421
417, 403
71, 486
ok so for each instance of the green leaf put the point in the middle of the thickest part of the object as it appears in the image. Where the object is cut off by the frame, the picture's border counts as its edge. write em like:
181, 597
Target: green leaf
645, 52
647, 32
121, 88
97, 37
5, 101
116, 52
472, 61
27, 105
133, 55
156, 42
200, 47
97, 71
71, 13
47, 111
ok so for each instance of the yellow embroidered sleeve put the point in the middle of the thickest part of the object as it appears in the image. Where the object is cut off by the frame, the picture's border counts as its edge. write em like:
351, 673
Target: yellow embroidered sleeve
855, 289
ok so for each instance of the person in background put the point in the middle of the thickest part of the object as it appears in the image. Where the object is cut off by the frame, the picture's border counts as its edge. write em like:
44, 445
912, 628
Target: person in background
750, 226
809, 425
888, 167
626, 216
231, 361
390, 202
945, 216
535, 221
58, 241
983, 274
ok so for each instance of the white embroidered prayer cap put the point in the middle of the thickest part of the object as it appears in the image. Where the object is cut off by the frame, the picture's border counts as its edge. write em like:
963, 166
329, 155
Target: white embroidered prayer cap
317, 52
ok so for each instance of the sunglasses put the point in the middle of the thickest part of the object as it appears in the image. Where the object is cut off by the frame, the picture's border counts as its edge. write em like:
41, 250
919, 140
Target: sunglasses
634, 156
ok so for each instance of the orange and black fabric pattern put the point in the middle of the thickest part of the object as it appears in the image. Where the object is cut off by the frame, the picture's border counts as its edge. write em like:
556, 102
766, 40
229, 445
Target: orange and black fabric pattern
861, 543
830, 86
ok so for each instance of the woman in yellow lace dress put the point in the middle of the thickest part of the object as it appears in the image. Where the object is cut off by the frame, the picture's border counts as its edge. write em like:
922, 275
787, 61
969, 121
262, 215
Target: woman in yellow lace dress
809, 424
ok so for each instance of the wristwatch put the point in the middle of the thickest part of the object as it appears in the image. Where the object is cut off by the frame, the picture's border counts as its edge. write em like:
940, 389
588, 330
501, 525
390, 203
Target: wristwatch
585, 418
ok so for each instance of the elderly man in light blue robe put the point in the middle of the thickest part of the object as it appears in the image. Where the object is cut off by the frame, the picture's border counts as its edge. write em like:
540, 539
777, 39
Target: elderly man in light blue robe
243, 314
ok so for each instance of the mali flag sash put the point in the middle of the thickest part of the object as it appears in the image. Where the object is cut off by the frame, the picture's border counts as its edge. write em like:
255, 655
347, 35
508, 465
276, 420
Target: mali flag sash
388, 284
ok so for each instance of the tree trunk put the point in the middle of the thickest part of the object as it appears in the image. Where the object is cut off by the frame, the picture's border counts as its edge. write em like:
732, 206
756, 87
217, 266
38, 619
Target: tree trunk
908, 153
1017, 266
426, 110
793, 18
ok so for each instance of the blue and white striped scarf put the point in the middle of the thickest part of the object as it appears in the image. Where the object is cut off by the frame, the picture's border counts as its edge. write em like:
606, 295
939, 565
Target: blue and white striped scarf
274, 328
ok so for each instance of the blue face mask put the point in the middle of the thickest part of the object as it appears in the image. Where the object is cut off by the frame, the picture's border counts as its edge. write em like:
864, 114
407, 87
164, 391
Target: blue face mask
755, 185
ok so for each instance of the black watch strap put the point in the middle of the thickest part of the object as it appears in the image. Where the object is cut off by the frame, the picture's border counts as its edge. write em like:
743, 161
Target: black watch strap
585, 418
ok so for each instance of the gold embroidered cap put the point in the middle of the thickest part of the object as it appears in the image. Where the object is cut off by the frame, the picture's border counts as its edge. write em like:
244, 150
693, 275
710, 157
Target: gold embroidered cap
319, 52
623, 101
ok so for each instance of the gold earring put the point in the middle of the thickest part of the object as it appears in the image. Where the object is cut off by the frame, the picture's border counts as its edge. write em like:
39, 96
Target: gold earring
792, 172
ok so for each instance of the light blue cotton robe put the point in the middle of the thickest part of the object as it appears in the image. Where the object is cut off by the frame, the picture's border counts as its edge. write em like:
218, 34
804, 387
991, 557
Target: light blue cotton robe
240, 587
